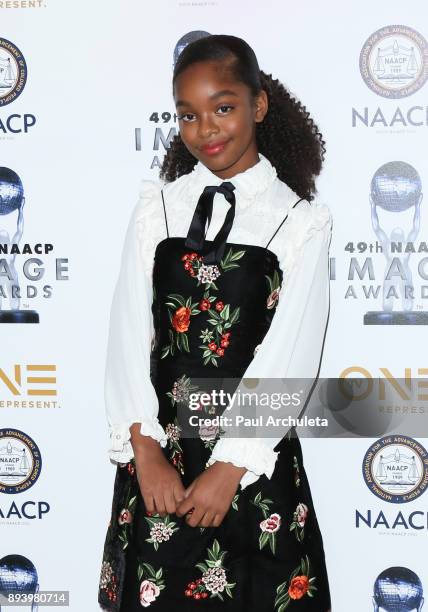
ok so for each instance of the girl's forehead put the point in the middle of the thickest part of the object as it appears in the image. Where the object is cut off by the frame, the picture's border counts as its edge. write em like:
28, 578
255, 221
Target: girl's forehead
219, 71
206, 78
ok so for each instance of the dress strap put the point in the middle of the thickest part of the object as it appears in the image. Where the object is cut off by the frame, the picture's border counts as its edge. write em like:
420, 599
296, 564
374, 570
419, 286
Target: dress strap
279, 227
164, 212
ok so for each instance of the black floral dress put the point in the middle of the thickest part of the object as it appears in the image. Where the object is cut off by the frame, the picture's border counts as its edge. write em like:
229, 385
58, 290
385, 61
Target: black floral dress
267, 555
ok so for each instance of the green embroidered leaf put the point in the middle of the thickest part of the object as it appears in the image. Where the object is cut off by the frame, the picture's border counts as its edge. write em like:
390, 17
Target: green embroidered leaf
234, 316
185, 342
216, 547
177, 297
280, 588
272, 542
263, 539
282, 600
202, 567
237, 255
224, 314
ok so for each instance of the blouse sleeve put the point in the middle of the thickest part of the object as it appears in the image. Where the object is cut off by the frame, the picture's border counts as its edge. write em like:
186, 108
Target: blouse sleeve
293, 343
128, 391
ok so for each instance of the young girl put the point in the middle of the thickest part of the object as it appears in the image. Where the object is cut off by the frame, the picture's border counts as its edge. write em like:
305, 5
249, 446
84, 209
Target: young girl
224, 274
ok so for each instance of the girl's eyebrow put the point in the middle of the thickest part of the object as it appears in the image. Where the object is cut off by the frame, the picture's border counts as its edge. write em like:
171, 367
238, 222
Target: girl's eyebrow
218, 94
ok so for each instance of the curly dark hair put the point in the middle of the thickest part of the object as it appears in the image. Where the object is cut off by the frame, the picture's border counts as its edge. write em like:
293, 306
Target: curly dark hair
287, 136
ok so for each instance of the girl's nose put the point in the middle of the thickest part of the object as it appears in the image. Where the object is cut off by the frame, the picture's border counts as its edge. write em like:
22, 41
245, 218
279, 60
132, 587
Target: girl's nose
207, 127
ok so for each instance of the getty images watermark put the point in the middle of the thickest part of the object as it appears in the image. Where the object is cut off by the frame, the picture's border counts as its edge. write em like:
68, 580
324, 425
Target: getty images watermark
268, 408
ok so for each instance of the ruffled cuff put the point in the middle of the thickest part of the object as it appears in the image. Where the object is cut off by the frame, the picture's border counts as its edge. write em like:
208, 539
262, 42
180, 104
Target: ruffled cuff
252, 454
121, 450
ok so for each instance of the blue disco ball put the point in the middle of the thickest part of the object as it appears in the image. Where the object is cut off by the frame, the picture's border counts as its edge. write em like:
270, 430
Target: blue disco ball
398, 589
396, 186
17, 575
11, 191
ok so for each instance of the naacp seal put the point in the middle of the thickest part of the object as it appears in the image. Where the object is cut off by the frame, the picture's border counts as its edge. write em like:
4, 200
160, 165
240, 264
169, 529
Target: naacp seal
13, 72
20, 461
394, 61
395, 468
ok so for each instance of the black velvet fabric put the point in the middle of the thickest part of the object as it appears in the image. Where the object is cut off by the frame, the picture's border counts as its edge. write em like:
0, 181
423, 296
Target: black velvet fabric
267, 555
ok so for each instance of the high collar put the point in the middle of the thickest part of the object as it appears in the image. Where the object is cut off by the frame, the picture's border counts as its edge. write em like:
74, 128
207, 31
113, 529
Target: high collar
248, 184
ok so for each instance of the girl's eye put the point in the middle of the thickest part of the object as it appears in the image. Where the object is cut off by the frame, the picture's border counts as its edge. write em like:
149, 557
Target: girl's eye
185, 117
225, 108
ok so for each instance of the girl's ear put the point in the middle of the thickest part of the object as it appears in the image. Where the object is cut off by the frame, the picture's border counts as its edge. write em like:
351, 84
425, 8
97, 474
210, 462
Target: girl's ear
261, 106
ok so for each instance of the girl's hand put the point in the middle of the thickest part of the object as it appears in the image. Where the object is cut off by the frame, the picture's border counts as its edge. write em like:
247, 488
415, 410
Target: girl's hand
160, 483
211, 495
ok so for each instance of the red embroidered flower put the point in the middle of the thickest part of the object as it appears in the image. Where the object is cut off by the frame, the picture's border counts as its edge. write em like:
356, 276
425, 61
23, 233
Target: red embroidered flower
212, 346
226, 335
181, 319
220, 351
219, 306
204, 304
224, 343
298, 587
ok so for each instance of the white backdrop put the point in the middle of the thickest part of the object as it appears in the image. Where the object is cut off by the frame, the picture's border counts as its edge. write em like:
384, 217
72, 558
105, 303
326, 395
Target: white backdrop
96, 72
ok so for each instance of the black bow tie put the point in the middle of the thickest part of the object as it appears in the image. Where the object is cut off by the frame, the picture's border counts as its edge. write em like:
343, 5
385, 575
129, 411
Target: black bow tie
195, 237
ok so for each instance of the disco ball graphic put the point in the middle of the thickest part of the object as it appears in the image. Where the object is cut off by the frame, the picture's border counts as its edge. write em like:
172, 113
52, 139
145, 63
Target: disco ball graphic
11, 191
396, 186
17, 575
398, 589
185, 40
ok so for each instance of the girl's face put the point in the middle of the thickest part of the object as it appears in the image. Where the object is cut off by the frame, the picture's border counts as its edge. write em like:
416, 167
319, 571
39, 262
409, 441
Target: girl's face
217, 117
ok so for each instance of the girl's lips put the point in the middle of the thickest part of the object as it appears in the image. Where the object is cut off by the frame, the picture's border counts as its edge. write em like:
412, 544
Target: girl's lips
213, 149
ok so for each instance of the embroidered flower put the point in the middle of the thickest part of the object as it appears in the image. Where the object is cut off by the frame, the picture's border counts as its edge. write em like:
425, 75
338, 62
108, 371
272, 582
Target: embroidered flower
272, 299
181, 319
148, 593
299, 586
181, 390
161, 530
301, 583
214, 576
108, 580
219, 306
180, 311
274, 283
271, 524
173, 432
299, 520
204, 304
152, 583
208, 432
207, 274
301, 514
125, 516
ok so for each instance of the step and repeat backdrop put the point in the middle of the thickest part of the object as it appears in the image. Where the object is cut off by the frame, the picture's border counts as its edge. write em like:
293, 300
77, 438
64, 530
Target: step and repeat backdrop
86, 112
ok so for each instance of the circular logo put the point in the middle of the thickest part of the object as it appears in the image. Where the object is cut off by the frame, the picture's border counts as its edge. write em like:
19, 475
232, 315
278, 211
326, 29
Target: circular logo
20, 461
394, 61
395, 468
13, 72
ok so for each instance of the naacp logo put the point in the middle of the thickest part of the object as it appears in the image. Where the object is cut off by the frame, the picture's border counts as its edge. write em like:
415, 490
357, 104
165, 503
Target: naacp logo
395, 468
13, 72
20, 461
394, 61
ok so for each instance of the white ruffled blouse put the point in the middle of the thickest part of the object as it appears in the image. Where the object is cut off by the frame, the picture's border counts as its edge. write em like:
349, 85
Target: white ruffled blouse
293, 344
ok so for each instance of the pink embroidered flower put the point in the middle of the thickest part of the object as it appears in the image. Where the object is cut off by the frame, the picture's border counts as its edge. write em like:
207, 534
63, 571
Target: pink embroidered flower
219, 306
125, 517
148, 593
208, 432
273, 298
301, 514
271, 524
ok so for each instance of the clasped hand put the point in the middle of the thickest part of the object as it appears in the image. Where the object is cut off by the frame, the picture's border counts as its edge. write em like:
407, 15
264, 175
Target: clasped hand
210, 495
